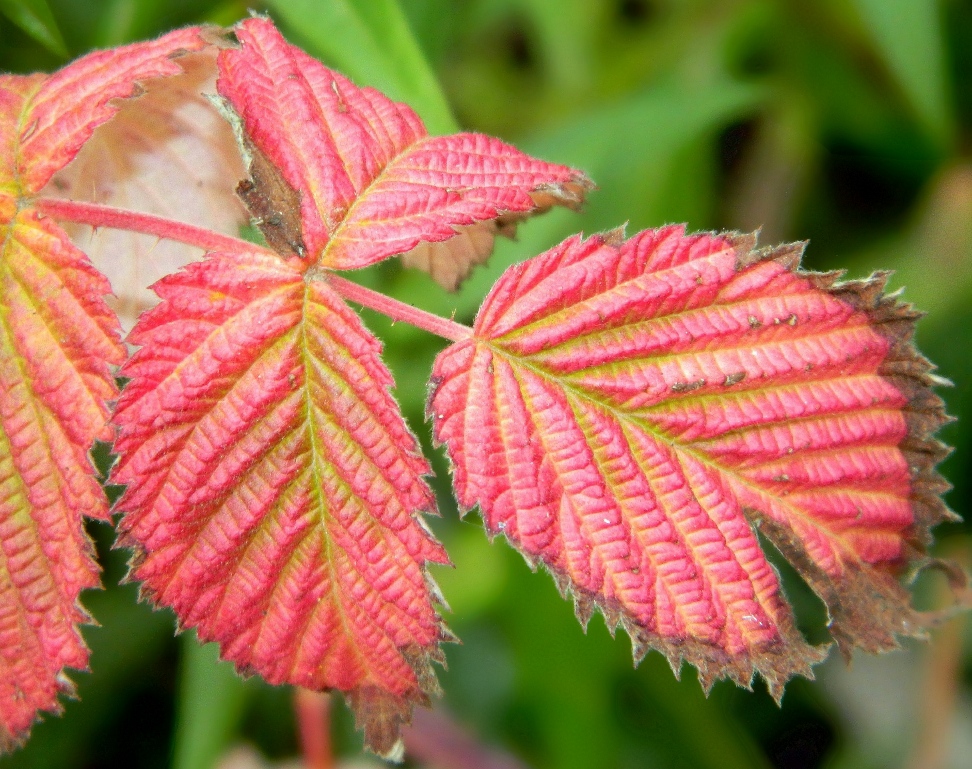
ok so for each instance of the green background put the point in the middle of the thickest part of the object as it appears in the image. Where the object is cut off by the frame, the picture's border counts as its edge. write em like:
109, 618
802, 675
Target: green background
845, 122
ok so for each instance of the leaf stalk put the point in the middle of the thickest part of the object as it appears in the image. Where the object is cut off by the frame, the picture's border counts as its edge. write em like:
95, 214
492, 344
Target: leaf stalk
97, 215
399, 311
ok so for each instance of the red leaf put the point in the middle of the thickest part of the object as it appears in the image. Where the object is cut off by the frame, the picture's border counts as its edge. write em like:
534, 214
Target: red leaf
350, 178
57, 339
274, 490
631, 413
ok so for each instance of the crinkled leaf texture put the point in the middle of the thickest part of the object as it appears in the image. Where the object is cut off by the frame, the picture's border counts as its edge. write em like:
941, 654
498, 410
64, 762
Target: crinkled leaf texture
347, 177
274, 489
57, 341
632, 414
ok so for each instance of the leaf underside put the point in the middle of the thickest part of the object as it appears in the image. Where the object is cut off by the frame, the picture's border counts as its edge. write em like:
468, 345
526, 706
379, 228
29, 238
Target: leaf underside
58, 339
167, 153
631, 414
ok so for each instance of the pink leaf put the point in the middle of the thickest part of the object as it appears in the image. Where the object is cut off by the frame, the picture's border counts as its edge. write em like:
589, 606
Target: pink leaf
632, 413
348, 177
57, 338
274, 490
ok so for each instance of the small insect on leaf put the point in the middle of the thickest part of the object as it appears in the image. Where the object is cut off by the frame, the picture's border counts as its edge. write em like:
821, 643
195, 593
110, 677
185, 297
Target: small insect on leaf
633, 414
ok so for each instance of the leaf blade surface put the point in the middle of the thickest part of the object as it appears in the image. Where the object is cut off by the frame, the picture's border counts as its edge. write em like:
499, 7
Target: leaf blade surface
631, 413
274, 490
57, 339
349, 177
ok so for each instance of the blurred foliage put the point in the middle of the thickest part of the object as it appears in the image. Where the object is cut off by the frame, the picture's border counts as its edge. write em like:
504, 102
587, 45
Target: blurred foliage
845, 122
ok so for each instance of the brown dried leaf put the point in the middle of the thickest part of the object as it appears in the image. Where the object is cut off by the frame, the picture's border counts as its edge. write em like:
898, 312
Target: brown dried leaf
450, 262
168, 153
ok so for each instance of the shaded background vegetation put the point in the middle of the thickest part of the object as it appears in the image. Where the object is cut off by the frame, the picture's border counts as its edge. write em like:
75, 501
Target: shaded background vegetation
845, 122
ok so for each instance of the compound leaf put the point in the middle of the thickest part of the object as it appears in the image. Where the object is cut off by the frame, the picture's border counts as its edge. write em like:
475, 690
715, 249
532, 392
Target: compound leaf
347, 177
631, 414
274, 490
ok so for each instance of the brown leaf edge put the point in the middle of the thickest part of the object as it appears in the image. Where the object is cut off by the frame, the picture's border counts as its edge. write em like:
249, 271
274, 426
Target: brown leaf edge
870, 594
450, 262
378, 714
870, 608
775, 664
273, 204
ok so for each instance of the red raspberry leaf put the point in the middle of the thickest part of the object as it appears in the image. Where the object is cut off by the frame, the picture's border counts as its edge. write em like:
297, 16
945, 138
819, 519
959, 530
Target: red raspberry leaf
632, 413
348, 177
58, 339
274, 490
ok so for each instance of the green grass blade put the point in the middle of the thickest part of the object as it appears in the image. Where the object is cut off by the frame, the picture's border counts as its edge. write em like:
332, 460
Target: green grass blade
370, 41
35, 18
210, 705
908, 35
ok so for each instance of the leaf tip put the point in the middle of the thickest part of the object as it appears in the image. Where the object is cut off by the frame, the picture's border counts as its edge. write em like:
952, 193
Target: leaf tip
381, 716
219, 37
614, 237
749, 252
570, 193
11, 741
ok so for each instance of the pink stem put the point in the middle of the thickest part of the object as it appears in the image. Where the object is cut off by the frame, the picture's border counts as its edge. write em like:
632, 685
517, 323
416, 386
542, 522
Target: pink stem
98, 215
396, 310
313, 711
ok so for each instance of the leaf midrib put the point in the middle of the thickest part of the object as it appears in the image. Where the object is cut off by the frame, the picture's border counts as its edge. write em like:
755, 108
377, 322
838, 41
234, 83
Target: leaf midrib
316, 455
655, 433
